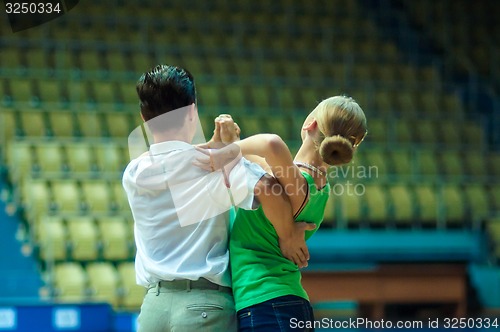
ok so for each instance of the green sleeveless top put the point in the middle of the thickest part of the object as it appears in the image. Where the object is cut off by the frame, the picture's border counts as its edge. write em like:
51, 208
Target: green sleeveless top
259, 270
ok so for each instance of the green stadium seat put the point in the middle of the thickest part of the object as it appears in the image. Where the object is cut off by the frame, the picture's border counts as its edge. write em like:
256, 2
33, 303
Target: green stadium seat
133, 294
288, 99
105, 92
427, 164
127, 93
118, 124
493, 162
210, 96
260, 98
70, 282
378, 131
493, 229
378, 159
83, 238
49, 91
476, 196
475, 164
473, 135
426, 132
90, 60
494, 194
236, 98
402, 163
351, 205
404, 131
103, 282
384, 103
117, 61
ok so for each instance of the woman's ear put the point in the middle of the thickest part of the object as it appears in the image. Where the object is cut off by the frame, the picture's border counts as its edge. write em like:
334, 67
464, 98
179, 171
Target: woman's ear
310, 124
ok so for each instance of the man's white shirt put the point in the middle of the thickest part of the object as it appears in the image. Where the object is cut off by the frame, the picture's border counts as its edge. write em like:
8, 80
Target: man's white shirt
182, 213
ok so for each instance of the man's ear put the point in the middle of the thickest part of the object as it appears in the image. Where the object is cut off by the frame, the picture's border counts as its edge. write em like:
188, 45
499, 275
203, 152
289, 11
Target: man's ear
192, 110
310, 124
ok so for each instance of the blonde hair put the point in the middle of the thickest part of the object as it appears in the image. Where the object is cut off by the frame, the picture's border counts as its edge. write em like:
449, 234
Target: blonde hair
342, 124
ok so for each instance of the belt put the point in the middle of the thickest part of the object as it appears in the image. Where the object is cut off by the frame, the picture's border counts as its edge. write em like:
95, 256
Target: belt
187, 285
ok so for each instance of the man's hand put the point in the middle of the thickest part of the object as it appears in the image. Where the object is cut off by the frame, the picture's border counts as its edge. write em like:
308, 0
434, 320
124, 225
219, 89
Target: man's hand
229, 131
294, 246
213, 160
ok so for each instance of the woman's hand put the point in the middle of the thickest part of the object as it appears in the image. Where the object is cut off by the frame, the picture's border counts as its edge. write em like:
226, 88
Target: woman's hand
228, 130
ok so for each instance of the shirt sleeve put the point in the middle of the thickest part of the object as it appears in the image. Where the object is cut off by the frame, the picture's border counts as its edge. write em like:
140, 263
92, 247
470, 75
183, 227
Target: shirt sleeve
242, 181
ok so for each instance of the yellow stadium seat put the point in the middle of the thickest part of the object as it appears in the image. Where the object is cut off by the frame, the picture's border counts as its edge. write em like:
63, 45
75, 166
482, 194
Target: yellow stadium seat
33, 122
120, 196
236, 98
351, 206
451, 134
115, 237
22, 90
80, 157
133, 294
454, 205
475, 164
426, 132
402, 203
404, 131
260, 98
427, 207
70, 282
478, 205
51, 237
90, 60
90, 124
49, 90
35, 197
429, 102
493, 162
117, 61
109, 157
66, 195
427, 163
375, 198
105, 92
97, 195
8, 127
103, 282
128, 93
494, 194
288, 99
83, 237
451, 164
209, 96
402, 163
20, 159
118, 124
61, 123
49, 157
473, 135
378, 159
378, 130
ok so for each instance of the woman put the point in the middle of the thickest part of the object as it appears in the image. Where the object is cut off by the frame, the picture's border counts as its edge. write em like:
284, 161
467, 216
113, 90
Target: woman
266, 286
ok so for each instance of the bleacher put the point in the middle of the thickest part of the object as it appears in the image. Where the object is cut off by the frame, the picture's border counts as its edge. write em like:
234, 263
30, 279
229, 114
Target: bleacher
69, 102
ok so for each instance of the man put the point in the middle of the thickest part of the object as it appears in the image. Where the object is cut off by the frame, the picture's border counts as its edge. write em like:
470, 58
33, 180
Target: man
182, 212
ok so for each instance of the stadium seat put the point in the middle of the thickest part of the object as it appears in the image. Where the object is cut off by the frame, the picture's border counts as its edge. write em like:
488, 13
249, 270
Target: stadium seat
454, 205
83, 238
35, 197
133, 294
8, 127
49, 91
378, 159
97, 195
66, 195
49, 157
493, 229
477, 200
120, 196
475, 164
451, 135
90, 124
451, 164
33, 122
429, 103
473, 135
406, 103
51, 238
260, 98
109, 157
115, 237
351, 206
279, 125
426, 132
493, 162
117, 61
61, 123
103, 282
127, 93
105, 92
288, 99
379, 130
403, 130
376, 200
402, 205
80, 157
118, 124
426, 204
209, 96
402, 163
90, 60
427, 164
236, 98
22, 90
20, 159
70, 282
494, 194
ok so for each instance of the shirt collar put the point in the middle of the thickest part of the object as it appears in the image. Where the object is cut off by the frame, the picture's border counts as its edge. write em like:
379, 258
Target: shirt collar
168, 146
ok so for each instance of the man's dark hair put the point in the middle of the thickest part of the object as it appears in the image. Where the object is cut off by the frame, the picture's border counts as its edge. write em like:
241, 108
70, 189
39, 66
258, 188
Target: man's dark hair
163, 89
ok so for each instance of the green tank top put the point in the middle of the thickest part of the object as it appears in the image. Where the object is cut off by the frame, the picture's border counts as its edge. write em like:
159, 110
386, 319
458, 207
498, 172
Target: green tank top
259, 270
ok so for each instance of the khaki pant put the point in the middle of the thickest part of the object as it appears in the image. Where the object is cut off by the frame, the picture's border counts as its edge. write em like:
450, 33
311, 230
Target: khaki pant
184, 306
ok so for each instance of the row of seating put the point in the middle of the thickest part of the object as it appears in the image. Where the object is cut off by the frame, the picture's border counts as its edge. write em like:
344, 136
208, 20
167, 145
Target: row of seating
98, 281
357, 205
72, 158
83, 238
371, 201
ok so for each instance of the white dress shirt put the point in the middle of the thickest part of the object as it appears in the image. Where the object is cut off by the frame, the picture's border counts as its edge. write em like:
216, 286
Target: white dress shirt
181, 213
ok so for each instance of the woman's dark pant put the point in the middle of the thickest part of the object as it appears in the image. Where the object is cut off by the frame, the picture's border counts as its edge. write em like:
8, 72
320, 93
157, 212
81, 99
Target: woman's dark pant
285, 313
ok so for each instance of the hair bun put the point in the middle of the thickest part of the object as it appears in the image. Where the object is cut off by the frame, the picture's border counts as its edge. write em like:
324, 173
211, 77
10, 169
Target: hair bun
336, 150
